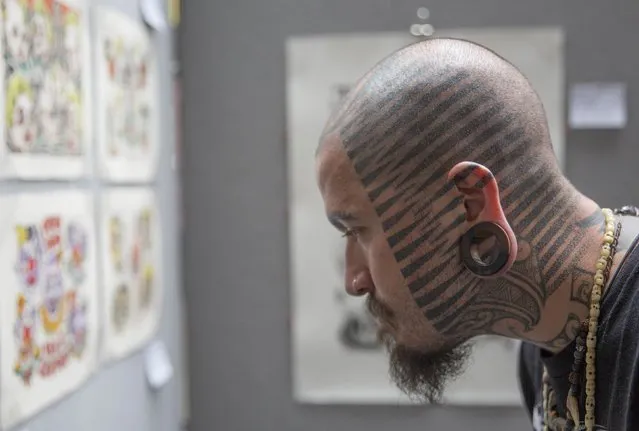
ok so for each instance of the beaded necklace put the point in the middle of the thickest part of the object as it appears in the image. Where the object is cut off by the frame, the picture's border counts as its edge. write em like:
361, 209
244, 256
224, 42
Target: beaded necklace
586, 340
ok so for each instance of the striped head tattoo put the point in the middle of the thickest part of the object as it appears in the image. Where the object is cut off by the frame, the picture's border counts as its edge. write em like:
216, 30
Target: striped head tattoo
436, 138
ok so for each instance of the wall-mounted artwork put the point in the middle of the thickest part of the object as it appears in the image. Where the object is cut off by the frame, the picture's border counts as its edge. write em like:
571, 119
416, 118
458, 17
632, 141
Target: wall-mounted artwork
131, 255
48, 302
127, 98
336, 355
45, 89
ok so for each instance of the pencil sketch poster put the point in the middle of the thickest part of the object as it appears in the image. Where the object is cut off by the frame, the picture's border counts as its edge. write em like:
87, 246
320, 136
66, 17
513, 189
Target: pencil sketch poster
45, 89
131, 255
48, 304
336, 356
127, 98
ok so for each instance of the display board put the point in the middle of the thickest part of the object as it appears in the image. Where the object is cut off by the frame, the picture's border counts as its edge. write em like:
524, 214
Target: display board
336, 357
131, 253
127, 104
46, 89
49, 299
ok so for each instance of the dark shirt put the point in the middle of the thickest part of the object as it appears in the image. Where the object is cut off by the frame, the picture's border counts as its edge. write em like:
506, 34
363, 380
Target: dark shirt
617, 359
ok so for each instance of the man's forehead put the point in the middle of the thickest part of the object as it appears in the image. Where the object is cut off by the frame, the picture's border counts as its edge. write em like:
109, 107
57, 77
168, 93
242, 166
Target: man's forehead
334, 168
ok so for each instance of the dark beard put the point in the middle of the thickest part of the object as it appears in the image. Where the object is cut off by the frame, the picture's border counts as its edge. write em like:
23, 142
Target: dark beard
424, 376
421, 375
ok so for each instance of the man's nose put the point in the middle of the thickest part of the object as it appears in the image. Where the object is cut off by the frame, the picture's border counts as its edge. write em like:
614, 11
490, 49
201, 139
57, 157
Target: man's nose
357, 277
360, 284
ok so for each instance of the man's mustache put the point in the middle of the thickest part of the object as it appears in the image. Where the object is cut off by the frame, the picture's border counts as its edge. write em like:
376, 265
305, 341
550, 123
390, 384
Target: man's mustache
379, 310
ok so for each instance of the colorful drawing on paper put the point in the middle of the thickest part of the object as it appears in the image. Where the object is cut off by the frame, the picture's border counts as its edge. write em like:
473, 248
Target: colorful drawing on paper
43, 80
50, 325
126, 103
137, 270
48, 303
133, 295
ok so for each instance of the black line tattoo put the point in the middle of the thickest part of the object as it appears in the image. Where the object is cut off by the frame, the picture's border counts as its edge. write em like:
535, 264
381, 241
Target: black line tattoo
404, 127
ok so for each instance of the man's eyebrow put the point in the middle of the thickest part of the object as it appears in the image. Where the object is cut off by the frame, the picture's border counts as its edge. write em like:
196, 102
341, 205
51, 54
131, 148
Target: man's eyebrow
338, 217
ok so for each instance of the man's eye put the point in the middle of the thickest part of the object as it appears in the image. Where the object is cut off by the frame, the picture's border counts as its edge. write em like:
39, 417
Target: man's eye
349, 232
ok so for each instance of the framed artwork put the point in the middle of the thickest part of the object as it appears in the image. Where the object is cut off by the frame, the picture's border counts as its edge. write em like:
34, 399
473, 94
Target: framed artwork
336, 356
46, 89
131, 256
49, 300
127, 93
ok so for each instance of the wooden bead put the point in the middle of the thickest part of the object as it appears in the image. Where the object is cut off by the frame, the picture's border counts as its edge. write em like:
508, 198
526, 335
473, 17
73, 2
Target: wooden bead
587, 336
599, 279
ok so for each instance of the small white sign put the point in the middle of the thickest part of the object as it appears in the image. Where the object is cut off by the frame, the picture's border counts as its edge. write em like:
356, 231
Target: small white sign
598, 105
159, 369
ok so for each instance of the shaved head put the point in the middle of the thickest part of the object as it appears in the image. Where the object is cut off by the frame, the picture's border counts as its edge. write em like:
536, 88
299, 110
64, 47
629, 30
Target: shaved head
432, 140
434, 103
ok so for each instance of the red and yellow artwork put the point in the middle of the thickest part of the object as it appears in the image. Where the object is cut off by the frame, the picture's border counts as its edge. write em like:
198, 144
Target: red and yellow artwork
128, 121
132, 261
127, 97
50, 310
133, 288
42, 42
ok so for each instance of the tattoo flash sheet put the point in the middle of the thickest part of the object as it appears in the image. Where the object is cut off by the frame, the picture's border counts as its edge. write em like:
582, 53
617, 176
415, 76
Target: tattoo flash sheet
131, 255
336, 355
48, 305
45, 89
127, 98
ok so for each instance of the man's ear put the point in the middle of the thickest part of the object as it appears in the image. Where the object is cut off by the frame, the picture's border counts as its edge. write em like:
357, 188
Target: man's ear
480, 190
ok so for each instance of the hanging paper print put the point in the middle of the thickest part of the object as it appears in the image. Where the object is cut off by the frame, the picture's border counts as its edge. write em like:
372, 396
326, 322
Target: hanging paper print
48, 304
127, 98
132, 253
45, 89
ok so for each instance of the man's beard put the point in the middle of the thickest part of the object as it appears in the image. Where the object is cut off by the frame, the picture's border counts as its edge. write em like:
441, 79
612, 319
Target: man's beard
421, 375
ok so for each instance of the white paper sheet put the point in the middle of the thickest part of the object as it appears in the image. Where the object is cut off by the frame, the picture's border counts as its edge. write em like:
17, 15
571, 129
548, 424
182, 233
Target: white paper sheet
48, 304
335, 358
46, 90
127, 98
598, 105
157, 364
130, 268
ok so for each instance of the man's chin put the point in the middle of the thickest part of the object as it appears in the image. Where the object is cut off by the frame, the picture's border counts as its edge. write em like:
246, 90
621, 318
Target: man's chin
424, 374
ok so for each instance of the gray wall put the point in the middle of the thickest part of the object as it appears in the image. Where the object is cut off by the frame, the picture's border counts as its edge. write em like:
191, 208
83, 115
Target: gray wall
117, 398
235, 245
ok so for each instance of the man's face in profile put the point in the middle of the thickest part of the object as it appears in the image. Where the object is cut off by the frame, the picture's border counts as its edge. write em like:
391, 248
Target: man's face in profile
422, 361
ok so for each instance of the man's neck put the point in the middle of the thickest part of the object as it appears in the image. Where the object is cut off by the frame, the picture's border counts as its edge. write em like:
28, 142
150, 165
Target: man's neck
546, 295
565, 301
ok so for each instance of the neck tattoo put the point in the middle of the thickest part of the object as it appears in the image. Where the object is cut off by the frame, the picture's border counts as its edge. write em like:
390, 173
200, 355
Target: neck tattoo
586, 343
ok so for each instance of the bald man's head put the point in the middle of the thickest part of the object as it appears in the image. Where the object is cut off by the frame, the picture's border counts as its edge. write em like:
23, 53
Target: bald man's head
434, 140
446, 97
